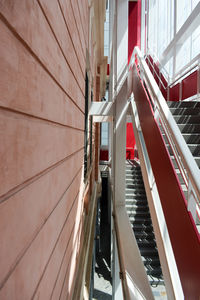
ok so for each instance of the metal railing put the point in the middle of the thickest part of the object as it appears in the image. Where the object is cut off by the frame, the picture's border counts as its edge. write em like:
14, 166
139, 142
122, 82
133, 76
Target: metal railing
183, 156
191, 67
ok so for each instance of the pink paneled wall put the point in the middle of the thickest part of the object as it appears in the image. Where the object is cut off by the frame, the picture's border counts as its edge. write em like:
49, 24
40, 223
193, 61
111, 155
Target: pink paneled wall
42, 83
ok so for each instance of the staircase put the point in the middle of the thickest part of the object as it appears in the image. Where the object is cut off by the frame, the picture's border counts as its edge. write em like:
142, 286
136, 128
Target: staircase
138, 212
187, 117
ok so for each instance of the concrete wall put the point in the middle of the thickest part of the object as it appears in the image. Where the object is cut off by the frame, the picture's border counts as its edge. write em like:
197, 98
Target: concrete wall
42, 85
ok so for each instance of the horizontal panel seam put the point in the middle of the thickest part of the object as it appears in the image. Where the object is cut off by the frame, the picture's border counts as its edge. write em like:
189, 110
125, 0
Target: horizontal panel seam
29, 181
54, 34
77, 30
84, 32
64, 280
24, 43
38, 118
71, 38
62, 264
57, 241
35, 236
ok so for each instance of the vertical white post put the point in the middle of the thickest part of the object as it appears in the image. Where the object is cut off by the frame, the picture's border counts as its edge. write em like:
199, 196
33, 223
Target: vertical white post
121, 104
117, 286
174, 33
119, 95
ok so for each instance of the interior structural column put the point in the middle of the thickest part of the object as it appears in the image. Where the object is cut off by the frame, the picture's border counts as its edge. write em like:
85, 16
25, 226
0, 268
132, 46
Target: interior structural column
120, 105
119, 93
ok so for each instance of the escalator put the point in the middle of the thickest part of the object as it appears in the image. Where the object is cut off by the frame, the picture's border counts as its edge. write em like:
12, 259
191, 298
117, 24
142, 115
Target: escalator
148, 109
187, 116
139, 216
174, 233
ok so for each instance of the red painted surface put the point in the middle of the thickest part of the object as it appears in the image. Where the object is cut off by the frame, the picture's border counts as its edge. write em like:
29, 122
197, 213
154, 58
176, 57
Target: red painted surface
151, 68
164, 81
164, 92
104, 154
108, 69
163, 86
134, 39
174, 92
130, 141
134, 26
151, 59
183, 234
189, 85
156, 67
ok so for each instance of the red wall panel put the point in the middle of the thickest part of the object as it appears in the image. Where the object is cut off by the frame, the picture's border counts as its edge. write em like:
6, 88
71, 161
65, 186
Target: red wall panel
189, 85
134, 26
103, 154
130, 141
174, 92
134, 39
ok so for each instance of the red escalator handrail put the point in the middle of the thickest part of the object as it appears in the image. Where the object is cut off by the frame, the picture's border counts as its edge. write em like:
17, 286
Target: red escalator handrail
183, 235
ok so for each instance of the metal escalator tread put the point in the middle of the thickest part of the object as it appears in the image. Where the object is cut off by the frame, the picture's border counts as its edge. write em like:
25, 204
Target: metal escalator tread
143, 228
139, 216
143, 235
187, 117
152, 262
147, 252
157, 272
146, 244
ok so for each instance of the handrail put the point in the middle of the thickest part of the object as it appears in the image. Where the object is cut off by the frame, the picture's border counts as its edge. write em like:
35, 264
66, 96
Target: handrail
165, 87
192, 65
133, 286
188, 160
180, 225
166, 254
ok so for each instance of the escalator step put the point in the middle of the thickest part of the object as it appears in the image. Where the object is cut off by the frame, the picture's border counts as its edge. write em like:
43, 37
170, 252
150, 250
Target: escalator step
142, 228
185, 111
189, 128
187, 119
136, 221
192, 138
139, 216
148, 252
146, 244
155, 273
137, 207
183, 104
154, 262
144, 235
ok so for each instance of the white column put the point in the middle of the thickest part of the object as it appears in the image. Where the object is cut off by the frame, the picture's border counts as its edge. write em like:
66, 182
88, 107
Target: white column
117, 286
121, 104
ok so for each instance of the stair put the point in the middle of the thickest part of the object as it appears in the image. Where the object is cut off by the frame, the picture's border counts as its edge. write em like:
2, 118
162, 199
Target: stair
139, 216
187, 117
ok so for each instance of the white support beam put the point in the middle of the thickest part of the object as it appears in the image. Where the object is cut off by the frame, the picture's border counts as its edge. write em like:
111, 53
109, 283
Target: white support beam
101, 119
181, 36
133, 272
101, 109
120, 104
121, 42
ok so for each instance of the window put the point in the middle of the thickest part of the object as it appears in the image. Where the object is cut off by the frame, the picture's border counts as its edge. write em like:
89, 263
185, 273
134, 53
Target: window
91, 124
86, 126
104, 134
